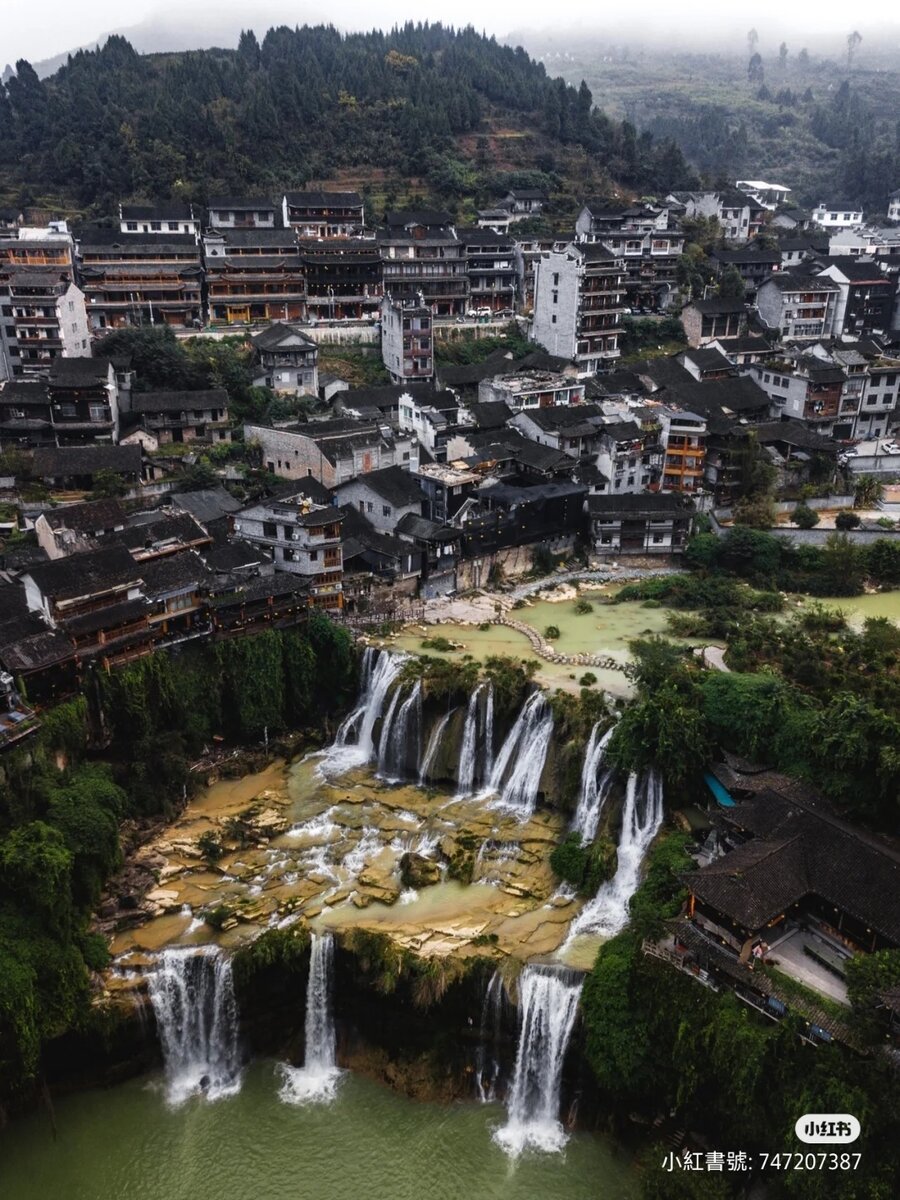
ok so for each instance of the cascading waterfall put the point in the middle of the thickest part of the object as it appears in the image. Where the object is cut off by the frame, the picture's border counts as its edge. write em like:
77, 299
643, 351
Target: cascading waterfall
401, 734
487, 1061
596, 781
516, 775
548, 1005
354, 745
489, 731
642, 816
434, 744
192, 994
316, 1080
465, 774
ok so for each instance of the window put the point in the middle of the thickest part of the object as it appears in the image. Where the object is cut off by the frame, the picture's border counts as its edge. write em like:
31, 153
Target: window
385, 510
270, 529
173, 226
131, 226
556, 278
556, 297
362, 506
553, 319
657, 538
156, 226
313, 555
98, 412
370, 507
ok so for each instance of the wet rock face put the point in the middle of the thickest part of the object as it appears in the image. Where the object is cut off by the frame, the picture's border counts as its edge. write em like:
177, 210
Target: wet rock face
416, 871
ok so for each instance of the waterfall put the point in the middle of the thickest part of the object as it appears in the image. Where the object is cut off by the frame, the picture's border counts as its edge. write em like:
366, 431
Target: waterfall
516, 775
548, 1005
316, 1080
434, 744
489, 731
465, 774
353, 746
192, 995
642, 816
400, 734
487, 1062
595, 786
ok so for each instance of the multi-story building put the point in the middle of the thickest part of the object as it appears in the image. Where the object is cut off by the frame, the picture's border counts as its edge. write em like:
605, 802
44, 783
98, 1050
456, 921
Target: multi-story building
575, 431
140, 279
639, 524
879, 408
432, 417
324, 215
422, 258
42, 317
491, 270
160, 219
250, 212
199, 416
407, 339
50, 247
648, 242
893, 211
304, 538
799, 306
343, 278
808, 389
84, 401
384, 497
753, 263
288, 360
717, 319
579, 298
253, 275
531, 389
844, 215
866, 296
528, 249
332, 451
684, 437
26, 416
631, 455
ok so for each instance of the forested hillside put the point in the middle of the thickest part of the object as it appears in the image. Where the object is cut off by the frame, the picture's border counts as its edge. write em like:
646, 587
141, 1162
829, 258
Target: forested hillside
826, 127
448, 108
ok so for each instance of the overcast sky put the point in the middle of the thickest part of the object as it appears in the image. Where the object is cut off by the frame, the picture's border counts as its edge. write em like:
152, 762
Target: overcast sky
55, 26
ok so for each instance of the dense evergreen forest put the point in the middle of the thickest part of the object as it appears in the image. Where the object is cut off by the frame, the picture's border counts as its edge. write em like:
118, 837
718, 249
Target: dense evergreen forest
448, 108
826, 127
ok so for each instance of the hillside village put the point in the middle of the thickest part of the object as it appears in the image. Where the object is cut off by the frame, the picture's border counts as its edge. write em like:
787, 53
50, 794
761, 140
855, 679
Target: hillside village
372, 499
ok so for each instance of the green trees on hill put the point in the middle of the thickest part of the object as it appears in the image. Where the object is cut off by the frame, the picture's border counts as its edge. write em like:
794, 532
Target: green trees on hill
112, 123
59, 825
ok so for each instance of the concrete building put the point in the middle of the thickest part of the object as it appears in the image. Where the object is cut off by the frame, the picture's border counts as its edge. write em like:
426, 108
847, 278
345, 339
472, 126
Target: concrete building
684, 437
288, 360
160, 219
432, 418
84, 398
799, 307
893, 210
639, 524
333, 451
531, 389
843, 215
230, 212
491, 271
407, 339
579, 297
716, 319
304, 539
384, 497
42, 317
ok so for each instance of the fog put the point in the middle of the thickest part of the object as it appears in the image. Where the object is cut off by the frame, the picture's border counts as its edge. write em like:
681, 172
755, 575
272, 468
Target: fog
161, 25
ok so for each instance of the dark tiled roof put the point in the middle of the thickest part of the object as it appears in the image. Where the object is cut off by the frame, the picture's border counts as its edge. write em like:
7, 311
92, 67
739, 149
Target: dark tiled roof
234, 555
36, 651
650, 504
78, 372
492, 415
174, 572
324, 199
717, 305
207, 504
575, 419
394, 485
107, 617
82, 574
94, 516
52, 462
272, 337
417, 216
257, 203
24, 392
157, 212
161, 529
799, 852
414, 526
154, 402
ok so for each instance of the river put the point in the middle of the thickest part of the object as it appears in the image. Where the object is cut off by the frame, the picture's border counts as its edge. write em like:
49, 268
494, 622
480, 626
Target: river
370, 1142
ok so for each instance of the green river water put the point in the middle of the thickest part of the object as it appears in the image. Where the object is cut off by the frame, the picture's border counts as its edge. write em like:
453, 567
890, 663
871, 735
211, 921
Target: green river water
370, 1143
